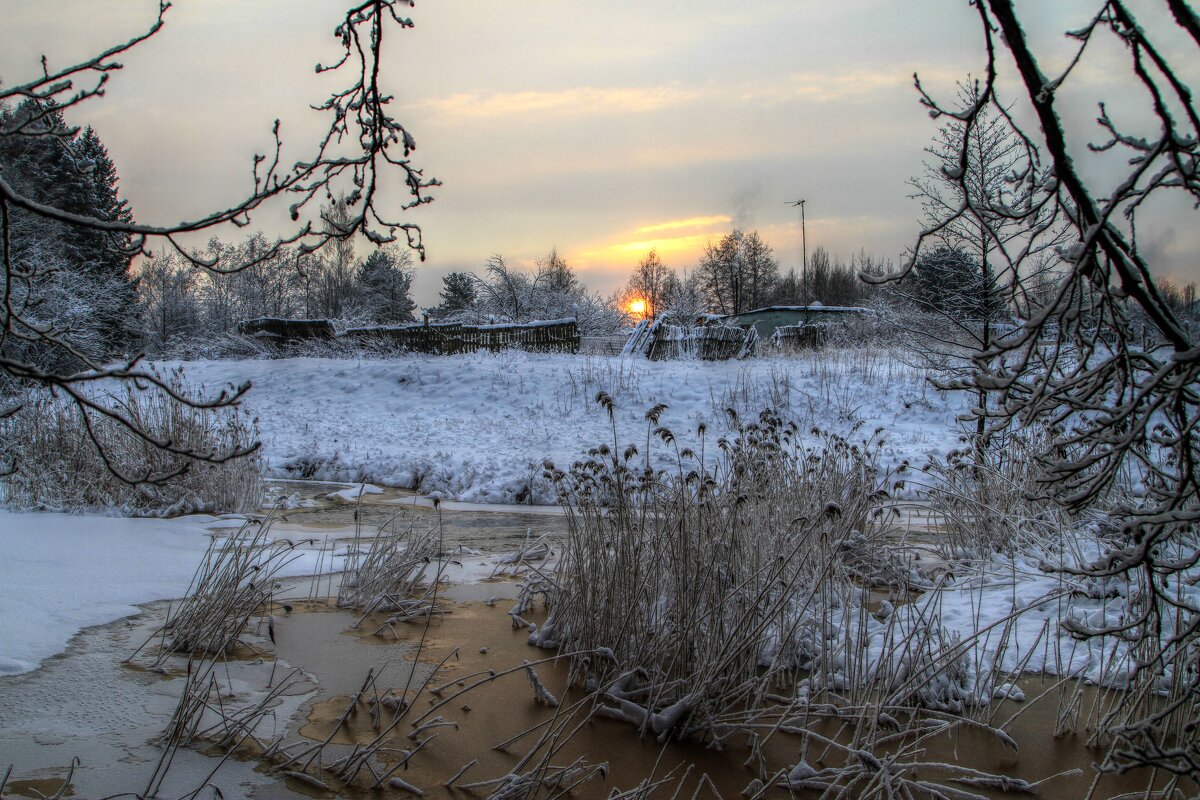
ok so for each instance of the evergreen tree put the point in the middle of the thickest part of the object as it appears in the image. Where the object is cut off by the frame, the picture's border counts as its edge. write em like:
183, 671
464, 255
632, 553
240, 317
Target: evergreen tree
72, 276
384, 280
106, 256
458, 293
950, 281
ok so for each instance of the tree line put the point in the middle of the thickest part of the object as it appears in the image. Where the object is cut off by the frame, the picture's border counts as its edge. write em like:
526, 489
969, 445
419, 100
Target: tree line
83, 283
739, 273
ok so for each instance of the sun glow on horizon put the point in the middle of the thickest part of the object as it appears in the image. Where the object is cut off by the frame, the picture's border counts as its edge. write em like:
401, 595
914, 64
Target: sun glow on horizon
690, 222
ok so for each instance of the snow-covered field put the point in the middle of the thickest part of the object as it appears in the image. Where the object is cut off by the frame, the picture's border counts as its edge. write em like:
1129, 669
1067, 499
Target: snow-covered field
477, 428
961, 626
474, 428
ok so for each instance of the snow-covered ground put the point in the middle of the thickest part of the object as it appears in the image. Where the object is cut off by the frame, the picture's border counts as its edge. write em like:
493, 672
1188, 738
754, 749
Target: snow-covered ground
62, 573
477, 428
474, 428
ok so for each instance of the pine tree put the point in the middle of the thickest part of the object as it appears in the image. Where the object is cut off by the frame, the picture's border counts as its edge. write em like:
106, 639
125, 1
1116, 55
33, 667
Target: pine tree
950, 281
106, 256
73, 277
384, 280
458, 293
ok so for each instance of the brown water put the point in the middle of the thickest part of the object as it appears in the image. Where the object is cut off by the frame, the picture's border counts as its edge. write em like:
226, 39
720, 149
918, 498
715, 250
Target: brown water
504, 707
478, 527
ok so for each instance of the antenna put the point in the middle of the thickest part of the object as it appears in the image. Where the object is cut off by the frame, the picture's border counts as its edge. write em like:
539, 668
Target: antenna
804, 252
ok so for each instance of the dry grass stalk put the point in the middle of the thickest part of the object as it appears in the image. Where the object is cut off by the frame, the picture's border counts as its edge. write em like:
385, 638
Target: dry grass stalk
385, 573
728, 605
56, 452
235, 581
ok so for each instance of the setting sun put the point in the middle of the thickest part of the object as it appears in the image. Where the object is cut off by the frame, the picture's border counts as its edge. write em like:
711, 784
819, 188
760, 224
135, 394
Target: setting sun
637, 307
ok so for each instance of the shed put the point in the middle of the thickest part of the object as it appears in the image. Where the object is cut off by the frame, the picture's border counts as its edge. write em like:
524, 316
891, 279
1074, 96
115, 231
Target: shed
766, 320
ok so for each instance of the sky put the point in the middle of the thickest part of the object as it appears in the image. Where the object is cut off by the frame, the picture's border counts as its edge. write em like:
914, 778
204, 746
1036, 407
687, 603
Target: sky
599, 129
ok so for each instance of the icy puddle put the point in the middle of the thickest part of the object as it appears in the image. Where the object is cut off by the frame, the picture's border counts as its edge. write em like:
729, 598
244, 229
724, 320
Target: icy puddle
476, 697
309, 507
87, 704
445, 708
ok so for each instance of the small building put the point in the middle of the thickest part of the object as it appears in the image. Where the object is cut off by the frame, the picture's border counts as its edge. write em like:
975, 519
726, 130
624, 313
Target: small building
766, 320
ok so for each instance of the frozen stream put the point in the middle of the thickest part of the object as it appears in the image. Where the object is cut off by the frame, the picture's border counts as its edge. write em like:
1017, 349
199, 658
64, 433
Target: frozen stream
63, 579
82, 701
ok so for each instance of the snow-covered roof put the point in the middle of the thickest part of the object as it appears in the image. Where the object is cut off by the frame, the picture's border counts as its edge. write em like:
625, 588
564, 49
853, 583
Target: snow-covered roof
537, 323
816, 307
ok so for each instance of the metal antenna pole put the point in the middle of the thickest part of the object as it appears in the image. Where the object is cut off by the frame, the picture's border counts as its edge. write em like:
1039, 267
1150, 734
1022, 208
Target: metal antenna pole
803, 252
804, 246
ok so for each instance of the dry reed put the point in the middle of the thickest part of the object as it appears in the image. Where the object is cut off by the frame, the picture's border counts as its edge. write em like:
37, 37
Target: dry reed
66, 461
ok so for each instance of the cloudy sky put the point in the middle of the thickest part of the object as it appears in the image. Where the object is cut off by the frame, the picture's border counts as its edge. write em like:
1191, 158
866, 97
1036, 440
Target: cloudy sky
601, 129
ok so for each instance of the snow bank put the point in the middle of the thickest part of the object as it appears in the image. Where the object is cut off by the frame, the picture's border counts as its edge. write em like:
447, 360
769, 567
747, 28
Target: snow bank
476, 428
61, 573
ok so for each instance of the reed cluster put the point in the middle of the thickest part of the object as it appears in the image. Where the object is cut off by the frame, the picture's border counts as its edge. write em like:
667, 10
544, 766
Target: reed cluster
64, 457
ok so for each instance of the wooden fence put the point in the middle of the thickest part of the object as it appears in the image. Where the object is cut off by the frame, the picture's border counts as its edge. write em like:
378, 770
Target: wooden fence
707, 343
288, 330
610, 345
794, 338
555, 336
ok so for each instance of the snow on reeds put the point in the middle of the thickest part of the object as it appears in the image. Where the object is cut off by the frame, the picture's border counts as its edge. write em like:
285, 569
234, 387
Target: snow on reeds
235, 581
64, 461
707, 590
383, 572
766, 594
999, 530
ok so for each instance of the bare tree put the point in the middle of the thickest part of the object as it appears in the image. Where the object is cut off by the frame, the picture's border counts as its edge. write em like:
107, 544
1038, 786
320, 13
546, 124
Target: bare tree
334, 279
502, 291
1074, 365
649, 283
972, 207
738, 272
361, 142
170, 307
552, 291
684, 299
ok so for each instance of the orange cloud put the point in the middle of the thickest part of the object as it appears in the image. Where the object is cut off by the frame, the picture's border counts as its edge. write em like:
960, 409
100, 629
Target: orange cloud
690, 222
583, 100
624, 249
681, 249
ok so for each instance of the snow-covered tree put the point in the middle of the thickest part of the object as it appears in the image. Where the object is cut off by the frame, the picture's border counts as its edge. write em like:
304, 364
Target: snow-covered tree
37, 350
382, 285
648, 283
973, 207
684, 298
552, 291
70, 277
172, 314
1075, 363
458, 295
830, 281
